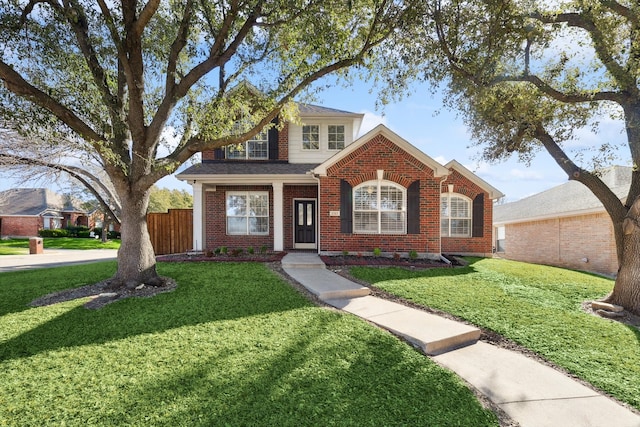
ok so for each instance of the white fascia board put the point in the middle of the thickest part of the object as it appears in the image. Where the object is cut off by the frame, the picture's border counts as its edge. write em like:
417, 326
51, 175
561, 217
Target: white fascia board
438, 169
551, 216
250, 179
494, 193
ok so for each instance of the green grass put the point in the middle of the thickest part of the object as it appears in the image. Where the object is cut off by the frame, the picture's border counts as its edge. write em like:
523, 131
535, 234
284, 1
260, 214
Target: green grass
21, 246
538, 307
233, 345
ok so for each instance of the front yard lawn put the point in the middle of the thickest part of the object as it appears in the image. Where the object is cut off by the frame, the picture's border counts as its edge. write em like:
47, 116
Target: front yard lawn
232, 345
538, 307
21, 246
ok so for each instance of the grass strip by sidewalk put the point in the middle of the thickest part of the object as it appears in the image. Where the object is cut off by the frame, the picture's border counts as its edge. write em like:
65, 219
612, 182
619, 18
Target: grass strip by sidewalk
538, 307
21, 246
232, 345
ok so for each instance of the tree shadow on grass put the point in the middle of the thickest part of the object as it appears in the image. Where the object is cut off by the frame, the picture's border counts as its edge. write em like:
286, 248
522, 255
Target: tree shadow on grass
357, 381
204, 294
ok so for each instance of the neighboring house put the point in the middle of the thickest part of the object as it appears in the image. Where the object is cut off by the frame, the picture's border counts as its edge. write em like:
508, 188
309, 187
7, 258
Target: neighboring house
24, 211
565, 226
315, 186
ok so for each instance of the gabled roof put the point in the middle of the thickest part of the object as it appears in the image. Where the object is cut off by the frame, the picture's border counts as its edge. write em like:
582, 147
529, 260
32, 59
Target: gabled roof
36, 202
494, 193
438, 169
569, 199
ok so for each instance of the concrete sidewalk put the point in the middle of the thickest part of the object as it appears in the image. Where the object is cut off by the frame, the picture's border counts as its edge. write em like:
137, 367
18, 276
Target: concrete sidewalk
531, 393
55, 258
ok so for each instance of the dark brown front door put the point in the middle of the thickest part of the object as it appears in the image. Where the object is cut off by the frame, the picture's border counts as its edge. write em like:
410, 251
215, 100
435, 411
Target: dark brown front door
305, 221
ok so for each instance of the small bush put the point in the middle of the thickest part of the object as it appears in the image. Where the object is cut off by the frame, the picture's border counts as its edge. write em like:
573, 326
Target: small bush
223, 250
250, 250
57, 232
113, 235
237, 252
396, 256
413, 254
217, 251
377, 251
345, 252
263, 249
85, 234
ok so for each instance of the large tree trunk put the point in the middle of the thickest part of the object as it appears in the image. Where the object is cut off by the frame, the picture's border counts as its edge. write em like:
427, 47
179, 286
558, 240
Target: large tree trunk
136, 258
626, 291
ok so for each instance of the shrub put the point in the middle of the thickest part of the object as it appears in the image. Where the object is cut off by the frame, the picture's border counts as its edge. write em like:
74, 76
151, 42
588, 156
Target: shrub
413, 254
396, 256
377, 251
263, 249
223, 250
57, 232
236, 252
217, 251
113, 235
250, 250
345, 252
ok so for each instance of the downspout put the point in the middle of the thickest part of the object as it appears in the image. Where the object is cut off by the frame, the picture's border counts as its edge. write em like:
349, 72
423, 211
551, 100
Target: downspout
442, 258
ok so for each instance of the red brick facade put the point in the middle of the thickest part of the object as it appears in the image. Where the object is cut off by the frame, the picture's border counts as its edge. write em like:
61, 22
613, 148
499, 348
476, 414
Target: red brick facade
20, 226
584, 242
470, 245
401, 168
358, 166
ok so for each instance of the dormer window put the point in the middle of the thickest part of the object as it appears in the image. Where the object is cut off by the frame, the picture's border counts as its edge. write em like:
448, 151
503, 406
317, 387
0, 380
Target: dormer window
256, 148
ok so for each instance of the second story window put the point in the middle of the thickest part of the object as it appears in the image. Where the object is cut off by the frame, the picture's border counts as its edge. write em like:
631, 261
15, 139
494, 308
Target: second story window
311, 137
336, 137
256, 148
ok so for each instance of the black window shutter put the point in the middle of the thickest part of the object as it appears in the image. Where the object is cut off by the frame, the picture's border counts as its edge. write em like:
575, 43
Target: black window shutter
273, 140
478, 216
218, 153
413, 208
346, 207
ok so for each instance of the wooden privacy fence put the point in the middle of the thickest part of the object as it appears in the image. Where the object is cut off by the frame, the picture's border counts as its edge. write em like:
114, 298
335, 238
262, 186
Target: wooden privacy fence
171, 232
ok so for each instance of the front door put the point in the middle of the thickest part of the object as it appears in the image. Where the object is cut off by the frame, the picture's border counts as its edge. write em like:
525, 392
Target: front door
305, 224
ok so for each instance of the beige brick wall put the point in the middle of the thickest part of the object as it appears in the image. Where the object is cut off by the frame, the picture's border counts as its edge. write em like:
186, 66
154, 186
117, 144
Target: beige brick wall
582, 242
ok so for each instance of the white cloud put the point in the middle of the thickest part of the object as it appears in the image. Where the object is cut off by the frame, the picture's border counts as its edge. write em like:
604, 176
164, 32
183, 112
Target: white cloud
370, 121
441, 159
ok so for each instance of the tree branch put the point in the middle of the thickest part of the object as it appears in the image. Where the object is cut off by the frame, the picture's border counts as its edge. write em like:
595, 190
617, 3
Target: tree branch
19, 86
74, 172
580, 20
609, 200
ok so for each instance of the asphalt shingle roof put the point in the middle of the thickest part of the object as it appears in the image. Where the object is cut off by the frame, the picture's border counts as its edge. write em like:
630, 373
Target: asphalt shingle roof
35, 201
249, 168
564, 199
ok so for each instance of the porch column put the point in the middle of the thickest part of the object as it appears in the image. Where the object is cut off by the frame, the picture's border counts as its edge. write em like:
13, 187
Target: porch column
198, 235
278, 213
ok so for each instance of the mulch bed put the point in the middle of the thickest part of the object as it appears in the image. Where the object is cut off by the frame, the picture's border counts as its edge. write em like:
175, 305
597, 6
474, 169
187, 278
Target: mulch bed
200, 257
336, 261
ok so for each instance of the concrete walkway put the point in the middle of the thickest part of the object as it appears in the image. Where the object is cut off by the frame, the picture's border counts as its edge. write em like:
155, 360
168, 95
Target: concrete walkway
532, 394
55, 258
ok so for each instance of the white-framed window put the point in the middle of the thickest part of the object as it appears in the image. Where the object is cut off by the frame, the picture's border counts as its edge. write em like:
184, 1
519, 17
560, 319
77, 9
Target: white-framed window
310, 137
256, 148
455, 215
247, 212
335, 136
379, 207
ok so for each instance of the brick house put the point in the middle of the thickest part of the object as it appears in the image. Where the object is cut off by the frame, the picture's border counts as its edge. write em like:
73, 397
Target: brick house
25, 211
317, 186
565, 226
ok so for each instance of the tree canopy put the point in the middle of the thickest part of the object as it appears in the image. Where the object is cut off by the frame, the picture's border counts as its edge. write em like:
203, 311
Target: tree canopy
144, 85
528, 76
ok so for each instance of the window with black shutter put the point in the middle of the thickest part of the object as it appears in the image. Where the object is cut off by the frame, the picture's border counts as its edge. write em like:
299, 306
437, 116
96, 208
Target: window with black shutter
413, 208
478, 216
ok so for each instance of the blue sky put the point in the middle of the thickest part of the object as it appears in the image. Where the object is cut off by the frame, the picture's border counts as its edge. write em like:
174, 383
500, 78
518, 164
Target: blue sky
421, 120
